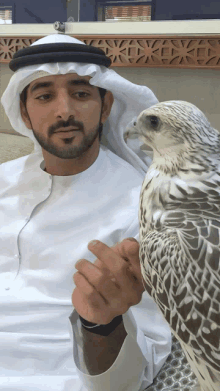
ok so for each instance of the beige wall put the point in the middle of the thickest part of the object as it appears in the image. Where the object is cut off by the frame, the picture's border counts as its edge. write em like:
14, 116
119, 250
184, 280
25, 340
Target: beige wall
200, 87
5, 75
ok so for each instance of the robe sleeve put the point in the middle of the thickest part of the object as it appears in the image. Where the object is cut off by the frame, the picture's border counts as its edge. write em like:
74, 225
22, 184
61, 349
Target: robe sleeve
143, 353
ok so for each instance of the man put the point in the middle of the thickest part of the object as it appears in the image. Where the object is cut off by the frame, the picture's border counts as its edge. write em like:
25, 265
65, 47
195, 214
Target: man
54, 202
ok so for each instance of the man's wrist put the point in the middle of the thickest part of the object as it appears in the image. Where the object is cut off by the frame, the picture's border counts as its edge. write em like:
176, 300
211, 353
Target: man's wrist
103, 329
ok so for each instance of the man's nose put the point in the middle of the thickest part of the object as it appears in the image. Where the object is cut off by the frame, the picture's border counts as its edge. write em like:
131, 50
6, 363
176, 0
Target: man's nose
64, 106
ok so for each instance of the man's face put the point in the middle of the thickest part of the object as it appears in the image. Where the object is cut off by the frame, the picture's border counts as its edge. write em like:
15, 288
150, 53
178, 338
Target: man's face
64, 103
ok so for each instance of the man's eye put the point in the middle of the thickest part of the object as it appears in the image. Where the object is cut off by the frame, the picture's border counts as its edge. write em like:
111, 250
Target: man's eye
44, 97
82, 94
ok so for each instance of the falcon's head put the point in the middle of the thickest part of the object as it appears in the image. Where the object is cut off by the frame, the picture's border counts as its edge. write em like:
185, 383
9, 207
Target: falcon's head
173, 127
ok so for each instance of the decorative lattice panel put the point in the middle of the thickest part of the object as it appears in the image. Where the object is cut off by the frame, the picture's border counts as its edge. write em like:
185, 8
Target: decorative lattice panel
141, 51
8, 46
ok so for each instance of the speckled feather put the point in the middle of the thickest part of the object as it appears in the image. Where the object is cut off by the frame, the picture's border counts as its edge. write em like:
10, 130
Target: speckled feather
179, 219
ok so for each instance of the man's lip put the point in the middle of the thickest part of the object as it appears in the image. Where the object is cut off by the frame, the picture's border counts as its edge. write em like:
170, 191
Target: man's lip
66, 130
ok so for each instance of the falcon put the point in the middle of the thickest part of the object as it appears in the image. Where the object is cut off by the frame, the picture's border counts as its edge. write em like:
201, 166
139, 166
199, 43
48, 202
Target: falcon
179, 216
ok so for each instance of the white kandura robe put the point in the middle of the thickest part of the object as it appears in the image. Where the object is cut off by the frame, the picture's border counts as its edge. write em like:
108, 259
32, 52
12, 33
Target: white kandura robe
46, 224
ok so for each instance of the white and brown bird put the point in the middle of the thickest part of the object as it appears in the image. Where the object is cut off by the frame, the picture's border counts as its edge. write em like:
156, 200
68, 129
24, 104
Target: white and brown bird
179, 215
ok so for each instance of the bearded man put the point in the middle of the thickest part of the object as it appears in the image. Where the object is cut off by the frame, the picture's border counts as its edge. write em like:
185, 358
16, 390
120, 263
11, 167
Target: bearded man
74, 315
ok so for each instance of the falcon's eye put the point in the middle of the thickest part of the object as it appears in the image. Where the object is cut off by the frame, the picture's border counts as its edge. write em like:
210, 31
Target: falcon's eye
154, 121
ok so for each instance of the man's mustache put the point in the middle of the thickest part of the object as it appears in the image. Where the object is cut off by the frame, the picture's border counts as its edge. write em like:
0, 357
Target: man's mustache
65, 124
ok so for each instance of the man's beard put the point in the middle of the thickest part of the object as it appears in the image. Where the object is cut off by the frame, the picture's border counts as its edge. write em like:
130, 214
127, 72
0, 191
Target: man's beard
73, 151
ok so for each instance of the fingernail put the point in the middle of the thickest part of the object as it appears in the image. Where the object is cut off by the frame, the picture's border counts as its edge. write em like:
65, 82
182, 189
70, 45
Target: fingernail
93, 242
131, 239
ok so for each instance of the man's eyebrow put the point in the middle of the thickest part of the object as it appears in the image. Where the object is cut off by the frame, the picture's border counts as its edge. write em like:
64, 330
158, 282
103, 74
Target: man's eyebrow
39, 85
77, 82
72, 82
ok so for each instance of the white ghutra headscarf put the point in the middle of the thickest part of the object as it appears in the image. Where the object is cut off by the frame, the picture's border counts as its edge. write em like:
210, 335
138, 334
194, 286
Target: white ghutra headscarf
129, 100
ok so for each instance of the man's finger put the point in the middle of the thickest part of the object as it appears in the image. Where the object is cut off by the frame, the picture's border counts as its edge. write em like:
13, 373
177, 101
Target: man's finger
108, 256
128, 249
118, 266
88, 290
98, 278
133, 247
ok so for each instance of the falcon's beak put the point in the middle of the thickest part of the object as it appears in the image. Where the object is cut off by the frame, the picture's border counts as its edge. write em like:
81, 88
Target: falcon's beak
131, 131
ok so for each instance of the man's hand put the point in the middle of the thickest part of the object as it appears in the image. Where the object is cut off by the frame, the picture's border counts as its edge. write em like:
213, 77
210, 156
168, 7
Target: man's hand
111, 285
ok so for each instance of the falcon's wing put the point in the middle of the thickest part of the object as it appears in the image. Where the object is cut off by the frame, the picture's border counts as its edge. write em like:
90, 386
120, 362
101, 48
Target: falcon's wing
180, 261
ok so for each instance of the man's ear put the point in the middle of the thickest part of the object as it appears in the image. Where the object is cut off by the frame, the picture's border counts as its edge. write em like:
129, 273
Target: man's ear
24, 115
107, 105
